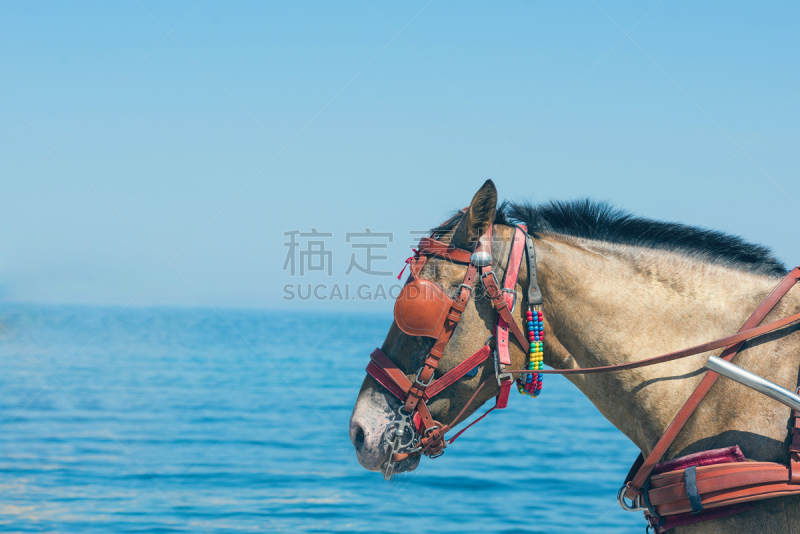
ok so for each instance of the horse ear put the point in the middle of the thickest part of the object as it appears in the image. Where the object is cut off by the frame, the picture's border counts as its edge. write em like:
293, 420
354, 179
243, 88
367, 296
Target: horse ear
478, 217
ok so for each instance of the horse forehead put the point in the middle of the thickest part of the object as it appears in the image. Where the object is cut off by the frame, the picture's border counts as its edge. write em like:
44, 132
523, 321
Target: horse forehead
471, 331
443, 272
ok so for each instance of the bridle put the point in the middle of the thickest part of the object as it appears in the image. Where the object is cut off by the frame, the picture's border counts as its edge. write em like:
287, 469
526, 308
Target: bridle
424, 309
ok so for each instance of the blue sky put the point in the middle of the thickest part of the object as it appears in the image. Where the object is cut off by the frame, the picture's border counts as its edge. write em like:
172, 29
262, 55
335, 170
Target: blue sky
155, 154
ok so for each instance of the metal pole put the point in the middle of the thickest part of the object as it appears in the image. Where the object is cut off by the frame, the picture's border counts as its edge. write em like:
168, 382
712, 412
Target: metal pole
751, 380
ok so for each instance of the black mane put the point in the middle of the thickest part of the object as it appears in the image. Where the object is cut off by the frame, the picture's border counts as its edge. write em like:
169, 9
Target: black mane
603, 222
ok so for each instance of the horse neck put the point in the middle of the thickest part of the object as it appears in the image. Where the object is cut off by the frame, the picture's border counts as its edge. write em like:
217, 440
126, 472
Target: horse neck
606, 304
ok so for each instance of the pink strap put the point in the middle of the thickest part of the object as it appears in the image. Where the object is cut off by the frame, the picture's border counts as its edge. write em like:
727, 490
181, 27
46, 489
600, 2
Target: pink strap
509, 282
502, 399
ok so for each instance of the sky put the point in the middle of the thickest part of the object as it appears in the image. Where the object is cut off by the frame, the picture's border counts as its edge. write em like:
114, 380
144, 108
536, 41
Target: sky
165, 153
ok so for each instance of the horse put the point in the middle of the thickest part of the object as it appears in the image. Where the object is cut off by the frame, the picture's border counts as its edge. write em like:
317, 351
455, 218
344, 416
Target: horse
615, 288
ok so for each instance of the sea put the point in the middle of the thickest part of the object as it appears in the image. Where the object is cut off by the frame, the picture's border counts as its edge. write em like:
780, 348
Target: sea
165, 420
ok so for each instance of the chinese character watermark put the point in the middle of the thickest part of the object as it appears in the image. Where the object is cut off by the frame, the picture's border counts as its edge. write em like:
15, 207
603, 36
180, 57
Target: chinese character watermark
315, 250
368, 247
309, 252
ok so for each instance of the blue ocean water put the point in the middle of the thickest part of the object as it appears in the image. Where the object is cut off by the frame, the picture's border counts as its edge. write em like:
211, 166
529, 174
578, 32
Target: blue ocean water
180, 420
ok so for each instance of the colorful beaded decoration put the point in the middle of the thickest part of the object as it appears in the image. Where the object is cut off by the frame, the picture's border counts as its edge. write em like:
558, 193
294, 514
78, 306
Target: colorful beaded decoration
531, 384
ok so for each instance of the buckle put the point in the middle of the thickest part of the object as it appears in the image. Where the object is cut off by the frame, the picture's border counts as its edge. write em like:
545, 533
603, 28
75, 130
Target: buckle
458, 289
431, 429
498, 370
421, 384
428, 432
513, 293
636, 503
487, 273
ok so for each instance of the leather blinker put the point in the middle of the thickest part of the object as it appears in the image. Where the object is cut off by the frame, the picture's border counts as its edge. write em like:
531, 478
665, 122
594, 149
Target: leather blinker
421, 308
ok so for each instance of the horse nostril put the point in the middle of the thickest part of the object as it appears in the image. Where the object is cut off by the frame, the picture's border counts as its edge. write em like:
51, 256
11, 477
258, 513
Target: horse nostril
366, 431
357, 437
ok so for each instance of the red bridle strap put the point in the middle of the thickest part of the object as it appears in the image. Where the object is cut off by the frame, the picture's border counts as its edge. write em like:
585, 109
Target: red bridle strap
415, 393
432, 247
739, 337
451, 376
382, 369
478, 420
424, 376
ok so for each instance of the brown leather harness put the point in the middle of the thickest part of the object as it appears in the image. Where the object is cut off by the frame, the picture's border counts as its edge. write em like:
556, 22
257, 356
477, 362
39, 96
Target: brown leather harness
424, 309
693, 488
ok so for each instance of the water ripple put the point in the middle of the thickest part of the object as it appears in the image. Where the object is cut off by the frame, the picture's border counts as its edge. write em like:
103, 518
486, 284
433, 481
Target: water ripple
189, 431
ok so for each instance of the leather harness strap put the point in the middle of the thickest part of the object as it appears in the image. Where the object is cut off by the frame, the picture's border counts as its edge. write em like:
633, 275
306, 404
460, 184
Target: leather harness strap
794, 448
392, 378
415, 394
388, 374
433, 438
692, 489
444, 250
509, 294
432, 247
534, 294
634, 486
674, 486
741, 337
425, 374
458, 371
